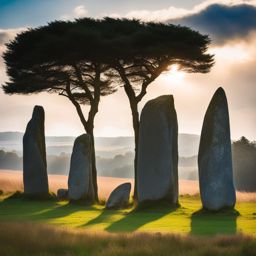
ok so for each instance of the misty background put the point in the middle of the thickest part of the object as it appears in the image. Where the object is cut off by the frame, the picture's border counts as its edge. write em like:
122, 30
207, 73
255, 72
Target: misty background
115, 157
114, 154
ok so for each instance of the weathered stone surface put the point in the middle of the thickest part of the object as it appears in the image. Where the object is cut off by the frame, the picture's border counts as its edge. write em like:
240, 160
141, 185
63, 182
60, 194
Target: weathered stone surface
62, 194
214, 158
119, 197
34, 155
80, 184
157, 166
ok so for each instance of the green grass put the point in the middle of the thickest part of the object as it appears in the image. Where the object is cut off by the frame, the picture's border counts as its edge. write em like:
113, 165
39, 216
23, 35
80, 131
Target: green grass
187, 219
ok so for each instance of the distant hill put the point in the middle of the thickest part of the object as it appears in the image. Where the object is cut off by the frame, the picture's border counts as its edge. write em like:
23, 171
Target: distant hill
105, 146
11, 136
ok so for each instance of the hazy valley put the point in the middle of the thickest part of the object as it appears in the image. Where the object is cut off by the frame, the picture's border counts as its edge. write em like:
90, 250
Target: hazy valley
114, 154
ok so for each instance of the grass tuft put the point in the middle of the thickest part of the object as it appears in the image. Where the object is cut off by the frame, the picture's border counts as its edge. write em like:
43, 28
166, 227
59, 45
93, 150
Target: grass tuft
34, 239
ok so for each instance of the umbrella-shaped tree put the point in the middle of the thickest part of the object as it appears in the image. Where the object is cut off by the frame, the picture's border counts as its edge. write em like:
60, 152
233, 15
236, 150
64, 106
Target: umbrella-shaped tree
64, 58
143, 51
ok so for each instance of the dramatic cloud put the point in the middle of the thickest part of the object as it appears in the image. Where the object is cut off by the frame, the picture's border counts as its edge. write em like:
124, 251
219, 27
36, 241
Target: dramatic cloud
223, 22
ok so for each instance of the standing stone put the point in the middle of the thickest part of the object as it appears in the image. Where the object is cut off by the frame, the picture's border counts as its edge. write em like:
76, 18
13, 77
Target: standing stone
214, 158
157, 166
119, 197
34, 155
80, 185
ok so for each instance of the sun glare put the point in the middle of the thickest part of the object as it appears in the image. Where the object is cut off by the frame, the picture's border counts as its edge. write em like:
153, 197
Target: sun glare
173, 74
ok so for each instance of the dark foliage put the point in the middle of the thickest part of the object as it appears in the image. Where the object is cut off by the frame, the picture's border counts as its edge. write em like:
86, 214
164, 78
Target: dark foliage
10, 160
64, 52
244, 162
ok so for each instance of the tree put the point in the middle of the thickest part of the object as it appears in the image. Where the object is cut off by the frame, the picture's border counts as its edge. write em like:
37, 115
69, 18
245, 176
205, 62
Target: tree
244, 164
143, 51
65, 58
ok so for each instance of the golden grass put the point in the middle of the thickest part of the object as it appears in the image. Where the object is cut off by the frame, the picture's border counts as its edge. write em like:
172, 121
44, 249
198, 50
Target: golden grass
11, 181
38, 239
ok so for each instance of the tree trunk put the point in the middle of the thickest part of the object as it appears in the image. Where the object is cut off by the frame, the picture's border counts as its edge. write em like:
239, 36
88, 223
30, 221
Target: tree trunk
136, 126
94, 170
88, 127
89, 123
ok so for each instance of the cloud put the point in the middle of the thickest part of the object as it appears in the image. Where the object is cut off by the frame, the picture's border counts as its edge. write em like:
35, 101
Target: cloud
223, 22
158, 15
80, 11
175, 13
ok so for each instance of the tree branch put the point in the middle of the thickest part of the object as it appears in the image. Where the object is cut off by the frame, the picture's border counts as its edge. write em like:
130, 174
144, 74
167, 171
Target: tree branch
127, 86
77, 106
82, 84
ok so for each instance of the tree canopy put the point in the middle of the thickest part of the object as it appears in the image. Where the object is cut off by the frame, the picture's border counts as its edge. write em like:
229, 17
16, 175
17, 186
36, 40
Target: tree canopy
45, 58
49, 57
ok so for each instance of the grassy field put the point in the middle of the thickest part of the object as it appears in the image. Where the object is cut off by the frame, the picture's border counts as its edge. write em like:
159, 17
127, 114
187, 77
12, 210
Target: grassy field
59, 228
186, 219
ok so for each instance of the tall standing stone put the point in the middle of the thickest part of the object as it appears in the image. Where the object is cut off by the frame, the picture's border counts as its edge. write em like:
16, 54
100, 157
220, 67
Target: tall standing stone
214, 158
80, 184
34, 155
157, 166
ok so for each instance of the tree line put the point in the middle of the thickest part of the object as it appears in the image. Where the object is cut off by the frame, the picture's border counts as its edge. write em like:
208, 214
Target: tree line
244, 164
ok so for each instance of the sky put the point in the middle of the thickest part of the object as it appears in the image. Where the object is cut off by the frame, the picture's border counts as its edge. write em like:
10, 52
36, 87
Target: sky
230, 24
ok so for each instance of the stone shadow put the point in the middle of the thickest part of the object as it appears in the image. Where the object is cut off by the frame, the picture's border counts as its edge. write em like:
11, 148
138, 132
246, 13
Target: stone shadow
133, 220
22, 206
101, 218
60, 211
204, 222
39, 209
